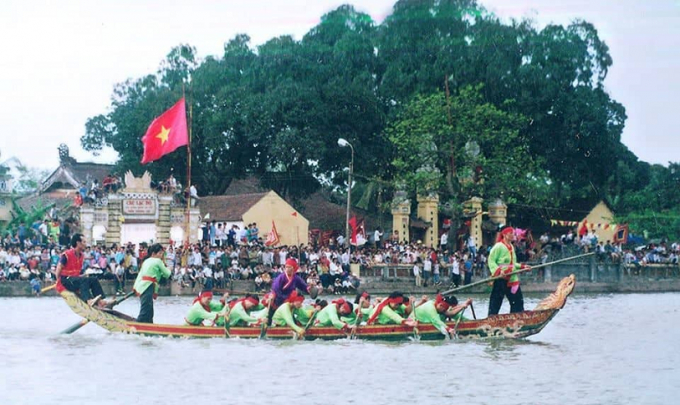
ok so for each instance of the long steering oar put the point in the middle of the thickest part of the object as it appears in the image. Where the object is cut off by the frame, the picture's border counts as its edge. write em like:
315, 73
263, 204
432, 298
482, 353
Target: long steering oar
84, 321
48, 288
486, 280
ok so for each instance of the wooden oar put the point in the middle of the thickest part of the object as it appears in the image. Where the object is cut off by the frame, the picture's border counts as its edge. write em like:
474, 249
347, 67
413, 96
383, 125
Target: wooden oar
311, 319
48, 288
227, 310
493, 278
474, 316
223, 290
263, 328
357, 322
84, 322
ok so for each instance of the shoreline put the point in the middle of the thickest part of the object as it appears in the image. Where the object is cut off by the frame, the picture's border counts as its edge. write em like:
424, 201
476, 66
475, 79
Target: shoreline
382, 286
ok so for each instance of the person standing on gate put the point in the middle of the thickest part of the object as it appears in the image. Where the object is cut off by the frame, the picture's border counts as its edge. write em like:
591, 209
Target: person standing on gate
502, 261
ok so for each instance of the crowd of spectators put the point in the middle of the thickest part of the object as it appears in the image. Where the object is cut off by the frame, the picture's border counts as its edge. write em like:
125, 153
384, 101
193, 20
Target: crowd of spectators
223, 255
661, 252
93, 191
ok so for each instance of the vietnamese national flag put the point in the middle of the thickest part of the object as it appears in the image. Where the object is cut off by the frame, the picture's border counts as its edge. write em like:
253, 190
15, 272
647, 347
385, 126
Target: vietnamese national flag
166, 133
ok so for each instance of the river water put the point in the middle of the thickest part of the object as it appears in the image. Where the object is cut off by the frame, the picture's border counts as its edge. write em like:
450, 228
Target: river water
600, 349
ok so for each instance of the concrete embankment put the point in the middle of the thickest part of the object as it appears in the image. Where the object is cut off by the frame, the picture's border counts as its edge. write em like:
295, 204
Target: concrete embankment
382, 286
592, 276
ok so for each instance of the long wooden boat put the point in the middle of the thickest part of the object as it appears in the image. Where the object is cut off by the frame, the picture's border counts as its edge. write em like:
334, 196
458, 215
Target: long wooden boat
518, 325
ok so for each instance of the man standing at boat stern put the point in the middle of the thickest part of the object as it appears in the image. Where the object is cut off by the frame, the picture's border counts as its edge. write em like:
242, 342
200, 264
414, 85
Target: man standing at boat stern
146, 285
502, 260
69, 278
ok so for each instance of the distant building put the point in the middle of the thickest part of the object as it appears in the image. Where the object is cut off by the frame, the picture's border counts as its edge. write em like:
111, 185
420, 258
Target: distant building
61, 187
258, 208
600, 220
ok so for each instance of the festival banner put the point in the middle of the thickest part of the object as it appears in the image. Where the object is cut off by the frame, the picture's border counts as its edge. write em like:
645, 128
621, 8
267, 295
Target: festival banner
559, 222
272, 237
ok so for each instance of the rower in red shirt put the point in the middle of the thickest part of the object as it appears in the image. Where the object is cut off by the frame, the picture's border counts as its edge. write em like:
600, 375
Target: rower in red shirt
68, 273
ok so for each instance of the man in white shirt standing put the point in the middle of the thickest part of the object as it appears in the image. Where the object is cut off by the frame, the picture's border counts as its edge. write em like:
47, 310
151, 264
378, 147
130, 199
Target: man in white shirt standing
377, 235
472, 246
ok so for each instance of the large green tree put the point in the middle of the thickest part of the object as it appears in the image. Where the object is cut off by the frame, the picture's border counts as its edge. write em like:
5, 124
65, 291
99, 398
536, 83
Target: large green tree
276, 110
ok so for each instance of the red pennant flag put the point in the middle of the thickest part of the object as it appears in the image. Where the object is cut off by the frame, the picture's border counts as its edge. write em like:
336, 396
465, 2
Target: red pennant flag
584, 228
353, 225
166, 133
294, 214
272, 237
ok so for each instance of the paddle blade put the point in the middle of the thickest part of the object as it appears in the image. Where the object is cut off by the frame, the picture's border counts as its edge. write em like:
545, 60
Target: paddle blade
313, 292
75, 327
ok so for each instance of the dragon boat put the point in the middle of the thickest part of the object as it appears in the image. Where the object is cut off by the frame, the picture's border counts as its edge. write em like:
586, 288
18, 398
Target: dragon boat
513, 326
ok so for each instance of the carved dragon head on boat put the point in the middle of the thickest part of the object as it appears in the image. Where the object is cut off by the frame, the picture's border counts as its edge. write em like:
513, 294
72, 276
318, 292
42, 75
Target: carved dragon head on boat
557, 299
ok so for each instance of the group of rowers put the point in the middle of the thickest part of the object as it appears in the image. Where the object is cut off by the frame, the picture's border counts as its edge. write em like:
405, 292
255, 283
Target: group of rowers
284, 307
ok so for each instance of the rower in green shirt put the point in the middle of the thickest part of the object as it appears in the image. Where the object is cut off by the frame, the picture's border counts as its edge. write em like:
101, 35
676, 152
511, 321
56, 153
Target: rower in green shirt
205, 309
243, 312
284, 313
434, 312
331, 314
385, 312
305, 313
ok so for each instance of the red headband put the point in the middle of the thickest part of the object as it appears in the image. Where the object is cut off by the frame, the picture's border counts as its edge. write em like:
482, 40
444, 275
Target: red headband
439, 300
342, 305
254, 300
396, 300
383, 304
293, 263
295, 297
505, 231
202, 295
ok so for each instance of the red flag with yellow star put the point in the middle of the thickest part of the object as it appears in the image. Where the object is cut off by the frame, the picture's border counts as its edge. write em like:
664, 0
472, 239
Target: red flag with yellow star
166, 133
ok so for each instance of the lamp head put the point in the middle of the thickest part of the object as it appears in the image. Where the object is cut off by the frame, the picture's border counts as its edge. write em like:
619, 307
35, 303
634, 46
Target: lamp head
342, 142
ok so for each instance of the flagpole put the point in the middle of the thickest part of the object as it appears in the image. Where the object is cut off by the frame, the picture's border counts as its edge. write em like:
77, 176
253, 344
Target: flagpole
188, 216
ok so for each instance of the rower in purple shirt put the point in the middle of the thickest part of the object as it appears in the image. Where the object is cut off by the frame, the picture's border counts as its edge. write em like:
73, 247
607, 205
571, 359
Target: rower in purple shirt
287, 282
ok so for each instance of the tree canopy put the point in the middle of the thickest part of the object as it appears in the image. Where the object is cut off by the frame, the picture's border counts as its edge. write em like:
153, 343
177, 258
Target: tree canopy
527, 117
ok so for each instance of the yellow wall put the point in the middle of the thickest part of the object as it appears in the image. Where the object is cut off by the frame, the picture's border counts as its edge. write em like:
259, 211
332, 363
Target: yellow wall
601, 214
292, 230
428, 210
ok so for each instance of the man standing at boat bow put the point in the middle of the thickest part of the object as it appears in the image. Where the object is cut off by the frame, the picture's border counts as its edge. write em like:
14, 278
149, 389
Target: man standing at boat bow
146, 284
503, 261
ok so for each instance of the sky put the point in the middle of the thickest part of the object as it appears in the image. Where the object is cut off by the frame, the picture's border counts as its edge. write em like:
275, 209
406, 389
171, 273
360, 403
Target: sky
62, 59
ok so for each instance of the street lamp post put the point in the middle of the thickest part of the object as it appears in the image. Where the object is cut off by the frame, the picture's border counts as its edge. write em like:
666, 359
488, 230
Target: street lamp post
343, 142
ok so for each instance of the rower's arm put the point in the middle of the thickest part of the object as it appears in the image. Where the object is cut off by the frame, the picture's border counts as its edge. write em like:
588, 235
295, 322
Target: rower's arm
286, 316
60, 265
392, 315
333, 317
238, 313
197, 311
165, 272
